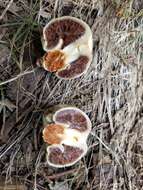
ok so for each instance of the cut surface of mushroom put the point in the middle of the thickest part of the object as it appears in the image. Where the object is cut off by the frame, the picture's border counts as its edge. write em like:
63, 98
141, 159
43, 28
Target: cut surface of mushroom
61, 32
54, 60
69, 156
69, 130
76, 68
62, 134
74, 117
68, 45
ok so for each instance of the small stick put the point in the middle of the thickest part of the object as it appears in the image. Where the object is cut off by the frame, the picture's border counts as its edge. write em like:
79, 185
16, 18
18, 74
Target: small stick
6, 9
15, 78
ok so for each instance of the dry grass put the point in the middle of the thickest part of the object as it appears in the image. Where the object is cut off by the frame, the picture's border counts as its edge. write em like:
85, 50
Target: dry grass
110, 93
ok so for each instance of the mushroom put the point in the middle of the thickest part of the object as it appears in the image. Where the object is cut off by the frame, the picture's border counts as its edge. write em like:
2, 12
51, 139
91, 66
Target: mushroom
66, 133
68, 45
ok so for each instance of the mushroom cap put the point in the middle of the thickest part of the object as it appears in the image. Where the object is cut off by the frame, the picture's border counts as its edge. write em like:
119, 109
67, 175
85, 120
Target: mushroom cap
65, 156
73, 37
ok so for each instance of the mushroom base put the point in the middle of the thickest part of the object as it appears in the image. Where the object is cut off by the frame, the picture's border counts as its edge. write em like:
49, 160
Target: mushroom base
54, 60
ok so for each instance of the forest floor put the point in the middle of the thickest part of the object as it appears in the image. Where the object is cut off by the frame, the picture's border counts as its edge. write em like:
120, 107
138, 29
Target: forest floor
111, 93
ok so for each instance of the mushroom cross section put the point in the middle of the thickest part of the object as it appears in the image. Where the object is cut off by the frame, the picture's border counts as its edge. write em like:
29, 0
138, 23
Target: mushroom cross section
67, 136
59, 158
68, 44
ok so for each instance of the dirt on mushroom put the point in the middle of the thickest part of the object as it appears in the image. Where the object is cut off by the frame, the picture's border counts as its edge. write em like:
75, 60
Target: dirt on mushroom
110, 93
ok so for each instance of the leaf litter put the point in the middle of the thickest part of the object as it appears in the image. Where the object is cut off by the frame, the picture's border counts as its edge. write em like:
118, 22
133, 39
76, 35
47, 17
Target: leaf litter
110, 93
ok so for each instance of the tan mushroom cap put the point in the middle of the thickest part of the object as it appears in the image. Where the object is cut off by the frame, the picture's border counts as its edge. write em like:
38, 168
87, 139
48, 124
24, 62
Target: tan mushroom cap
68, 43
67, 136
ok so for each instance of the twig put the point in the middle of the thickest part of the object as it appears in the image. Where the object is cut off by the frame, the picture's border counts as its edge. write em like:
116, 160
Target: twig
6, 9
15, 78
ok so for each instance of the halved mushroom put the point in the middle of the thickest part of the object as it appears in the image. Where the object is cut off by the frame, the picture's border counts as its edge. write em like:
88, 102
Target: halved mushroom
68, 45
66, 134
